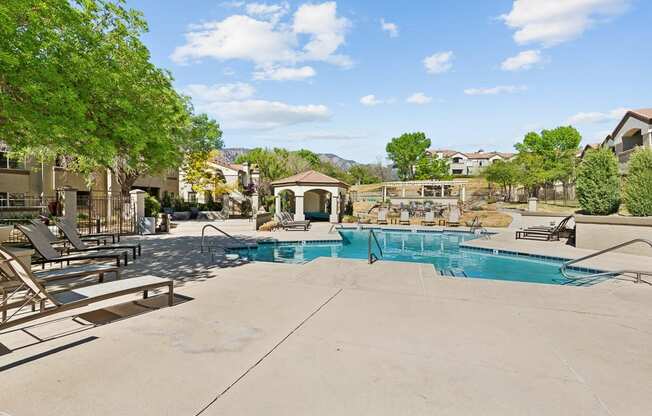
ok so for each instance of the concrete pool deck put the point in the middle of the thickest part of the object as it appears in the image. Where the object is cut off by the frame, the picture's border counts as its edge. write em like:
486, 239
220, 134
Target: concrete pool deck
336, 337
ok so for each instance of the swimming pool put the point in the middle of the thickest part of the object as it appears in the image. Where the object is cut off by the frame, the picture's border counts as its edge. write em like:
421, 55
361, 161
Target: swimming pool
441, 249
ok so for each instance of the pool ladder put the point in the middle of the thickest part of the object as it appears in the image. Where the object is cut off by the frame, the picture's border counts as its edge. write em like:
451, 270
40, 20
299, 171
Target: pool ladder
371, 256
453, 272
638, 273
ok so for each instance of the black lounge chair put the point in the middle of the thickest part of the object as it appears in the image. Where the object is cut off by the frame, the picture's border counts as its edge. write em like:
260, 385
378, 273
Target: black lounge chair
50, 255
78, 245
50, 302
53, 239
286, 224
543, 233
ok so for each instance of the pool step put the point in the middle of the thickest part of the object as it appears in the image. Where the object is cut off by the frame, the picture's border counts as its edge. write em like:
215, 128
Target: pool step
453, 272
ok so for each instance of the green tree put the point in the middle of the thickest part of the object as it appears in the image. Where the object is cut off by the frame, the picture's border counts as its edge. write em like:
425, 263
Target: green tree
432, 168
405, 151
638, 187
504, 173
362, 175
548, 157
598, 183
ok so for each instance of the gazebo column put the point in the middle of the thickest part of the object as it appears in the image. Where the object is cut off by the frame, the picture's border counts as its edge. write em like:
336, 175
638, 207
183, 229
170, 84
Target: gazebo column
298, 208
335, 208
277, 203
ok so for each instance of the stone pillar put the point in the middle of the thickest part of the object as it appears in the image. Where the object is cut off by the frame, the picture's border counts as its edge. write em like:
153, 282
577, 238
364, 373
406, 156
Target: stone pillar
442, 190
384, 194
647, 139
138, 201
255, 203
335, 208
423, 191
532, 204
69, 201
298, 208
277, 204
463, 193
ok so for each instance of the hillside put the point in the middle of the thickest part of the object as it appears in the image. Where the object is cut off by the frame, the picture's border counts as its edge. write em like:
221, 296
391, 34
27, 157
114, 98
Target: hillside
231, 154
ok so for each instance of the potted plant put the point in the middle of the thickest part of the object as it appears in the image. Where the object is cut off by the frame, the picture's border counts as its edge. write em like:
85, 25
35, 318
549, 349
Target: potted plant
152, 209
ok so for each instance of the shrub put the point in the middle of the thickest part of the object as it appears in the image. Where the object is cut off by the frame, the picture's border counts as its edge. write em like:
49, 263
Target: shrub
349, 219
638, 188
152, 206
268, 226
598, 183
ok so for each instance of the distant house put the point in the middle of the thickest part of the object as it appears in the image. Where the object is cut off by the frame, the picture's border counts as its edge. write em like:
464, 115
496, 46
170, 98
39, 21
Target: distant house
585, 149
236, 176
469, 163
634, 130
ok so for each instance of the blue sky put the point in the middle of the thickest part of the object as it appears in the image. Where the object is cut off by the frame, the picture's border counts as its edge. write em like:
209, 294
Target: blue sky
344, 77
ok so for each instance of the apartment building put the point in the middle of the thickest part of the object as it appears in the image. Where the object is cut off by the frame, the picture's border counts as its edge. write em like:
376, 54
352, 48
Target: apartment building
469, 163
634, 130
24, 179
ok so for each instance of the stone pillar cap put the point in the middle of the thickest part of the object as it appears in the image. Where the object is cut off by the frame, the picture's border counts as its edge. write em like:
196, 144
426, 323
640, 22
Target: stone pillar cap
137, 191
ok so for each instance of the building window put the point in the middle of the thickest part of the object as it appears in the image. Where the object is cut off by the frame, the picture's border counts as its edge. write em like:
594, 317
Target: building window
3, 199
9, 163
457, 160
192, 197
457, 171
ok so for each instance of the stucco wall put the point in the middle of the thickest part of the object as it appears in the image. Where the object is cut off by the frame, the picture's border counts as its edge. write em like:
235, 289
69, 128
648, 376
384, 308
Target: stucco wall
15, 182
597, 233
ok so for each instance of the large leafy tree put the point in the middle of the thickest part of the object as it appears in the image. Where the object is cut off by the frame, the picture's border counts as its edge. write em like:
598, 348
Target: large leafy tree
362, 175
548, 156
76, 80
405, 151
504, 173
432, 168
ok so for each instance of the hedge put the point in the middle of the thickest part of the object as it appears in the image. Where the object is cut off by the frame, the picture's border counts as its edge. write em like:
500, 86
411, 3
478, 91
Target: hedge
598, 183
638, 188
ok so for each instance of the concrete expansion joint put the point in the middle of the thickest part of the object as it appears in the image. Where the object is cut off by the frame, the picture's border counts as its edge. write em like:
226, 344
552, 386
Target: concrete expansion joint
268, 353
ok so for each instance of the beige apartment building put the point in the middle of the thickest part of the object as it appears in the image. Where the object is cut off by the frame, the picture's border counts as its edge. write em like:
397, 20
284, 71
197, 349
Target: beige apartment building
24, 179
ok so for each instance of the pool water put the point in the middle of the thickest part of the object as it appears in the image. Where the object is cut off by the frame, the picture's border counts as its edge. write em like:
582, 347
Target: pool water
441, 249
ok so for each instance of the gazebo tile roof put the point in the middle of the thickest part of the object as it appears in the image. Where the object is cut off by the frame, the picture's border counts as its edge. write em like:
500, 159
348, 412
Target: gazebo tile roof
310, 177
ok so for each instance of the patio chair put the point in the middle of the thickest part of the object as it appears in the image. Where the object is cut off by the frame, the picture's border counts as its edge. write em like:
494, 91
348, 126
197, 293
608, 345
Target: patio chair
292, 225
79, 245
429, 218
53, 239
37, 293
382, 216
50, 255
564, 221
454, 216
94, 236
543, 234
405, 218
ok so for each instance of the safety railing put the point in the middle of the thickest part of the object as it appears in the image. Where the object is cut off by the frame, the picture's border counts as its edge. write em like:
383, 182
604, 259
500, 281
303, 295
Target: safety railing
638, 273
203, 235
371, 256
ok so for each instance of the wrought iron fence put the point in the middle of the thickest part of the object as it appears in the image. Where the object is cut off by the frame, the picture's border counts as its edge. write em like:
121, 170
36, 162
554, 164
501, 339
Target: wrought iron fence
20, 208
105, 214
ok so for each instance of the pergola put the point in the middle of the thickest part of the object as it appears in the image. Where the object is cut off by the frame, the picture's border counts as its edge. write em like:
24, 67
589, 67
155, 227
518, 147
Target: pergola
439, 189
313, 192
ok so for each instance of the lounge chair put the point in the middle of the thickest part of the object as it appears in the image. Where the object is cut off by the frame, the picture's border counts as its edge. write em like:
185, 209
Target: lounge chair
37, 293
53, 239
382, 216
94, 236
453, 217
405, 218
50, 255
79, 245
429, 218
543, 233
292, 225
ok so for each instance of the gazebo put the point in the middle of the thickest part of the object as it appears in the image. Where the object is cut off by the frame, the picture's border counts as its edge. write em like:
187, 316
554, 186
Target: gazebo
315, 195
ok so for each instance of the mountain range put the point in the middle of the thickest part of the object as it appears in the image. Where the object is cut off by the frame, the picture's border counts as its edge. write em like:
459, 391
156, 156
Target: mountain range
232, 153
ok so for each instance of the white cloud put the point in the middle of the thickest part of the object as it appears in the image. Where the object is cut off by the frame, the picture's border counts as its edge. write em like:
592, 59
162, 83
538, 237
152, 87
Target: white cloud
326, 30
501, 89
271, 12
550, 22
524, 60
262, 39
237, 37
439, 62
597, 117
284, 73
219, 92
419, 98
370, 100
234, 106
390, 28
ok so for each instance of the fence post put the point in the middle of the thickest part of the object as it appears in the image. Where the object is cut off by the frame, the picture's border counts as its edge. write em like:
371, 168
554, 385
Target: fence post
138, 202
69, 202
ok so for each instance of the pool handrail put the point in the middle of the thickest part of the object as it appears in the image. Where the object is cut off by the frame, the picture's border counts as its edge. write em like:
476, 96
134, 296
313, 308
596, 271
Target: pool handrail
203, 236
370, 254
638, 273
